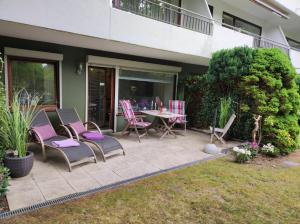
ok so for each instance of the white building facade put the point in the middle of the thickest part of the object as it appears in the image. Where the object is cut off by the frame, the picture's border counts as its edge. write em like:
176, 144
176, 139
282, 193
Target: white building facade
95, 52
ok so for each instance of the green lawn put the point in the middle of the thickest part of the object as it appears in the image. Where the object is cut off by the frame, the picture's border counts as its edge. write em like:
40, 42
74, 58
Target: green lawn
213, 192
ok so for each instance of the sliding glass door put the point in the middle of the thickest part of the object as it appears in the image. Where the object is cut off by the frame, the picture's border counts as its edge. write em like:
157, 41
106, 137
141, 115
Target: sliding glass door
101, 96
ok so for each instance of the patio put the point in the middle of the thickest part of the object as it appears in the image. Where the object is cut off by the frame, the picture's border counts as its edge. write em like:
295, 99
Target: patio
52, 180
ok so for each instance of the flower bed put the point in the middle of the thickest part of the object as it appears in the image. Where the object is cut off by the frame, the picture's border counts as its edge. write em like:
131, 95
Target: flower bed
247, 152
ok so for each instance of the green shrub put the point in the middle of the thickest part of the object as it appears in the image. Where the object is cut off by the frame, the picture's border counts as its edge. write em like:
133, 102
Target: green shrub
223, 80
259, 81
225, 111
195, 89
4, 177
273, 93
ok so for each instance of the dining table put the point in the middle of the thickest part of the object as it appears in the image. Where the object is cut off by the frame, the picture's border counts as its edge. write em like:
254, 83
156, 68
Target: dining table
164, 117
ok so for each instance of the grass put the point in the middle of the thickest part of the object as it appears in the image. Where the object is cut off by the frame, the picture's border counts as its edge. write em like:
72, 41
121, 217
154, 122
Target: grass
213, 192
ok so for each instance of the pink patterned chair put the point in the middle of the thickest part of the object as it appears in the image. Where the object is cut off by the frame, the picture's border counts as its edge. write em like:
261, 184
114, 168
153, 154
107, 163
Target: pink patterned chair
178, 107
133, 122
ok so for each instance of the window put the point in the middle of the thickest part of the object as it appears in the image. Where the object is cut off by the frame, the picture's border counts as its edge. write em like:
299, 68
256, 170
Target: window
293, 43
142, 88
234, 21
211, 9
36, 77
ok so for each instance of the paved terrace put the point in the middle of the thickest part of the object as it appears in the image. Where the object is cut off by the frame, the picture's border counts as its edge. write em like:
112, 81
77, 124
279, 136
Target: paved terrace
52, 180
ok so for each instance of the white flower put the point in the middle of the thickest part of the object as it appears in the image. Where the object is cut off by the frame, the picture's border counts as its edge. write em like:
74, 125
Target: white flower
248, 152
243, 151
239, 150
268, 148
236, 149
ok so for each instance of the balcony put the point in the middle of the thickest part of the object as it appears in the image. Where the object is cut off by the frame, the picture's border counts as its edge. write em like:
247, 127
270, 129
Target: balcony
167, 13
259, 41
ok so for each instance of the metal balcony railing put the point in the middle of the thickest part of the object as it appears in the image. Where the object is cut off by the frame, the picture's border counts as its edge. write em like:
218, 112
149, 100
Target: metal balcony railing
167, 13
174, 15
260, 42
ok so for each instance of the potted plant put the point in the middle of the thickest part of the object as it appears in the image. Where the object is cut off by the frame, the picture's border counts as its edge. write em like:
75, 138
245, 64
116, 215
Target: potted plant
15, 120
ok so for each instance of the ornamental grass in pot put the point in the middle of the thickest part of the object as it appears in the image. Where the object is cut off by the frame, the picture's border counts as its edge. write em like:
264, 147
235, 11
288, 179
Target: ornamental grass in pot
15, 121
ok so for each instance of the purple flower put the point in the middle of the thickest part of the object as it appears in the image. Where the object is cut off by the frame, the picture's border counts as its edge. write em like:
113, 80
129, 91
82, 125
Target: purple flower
254, 145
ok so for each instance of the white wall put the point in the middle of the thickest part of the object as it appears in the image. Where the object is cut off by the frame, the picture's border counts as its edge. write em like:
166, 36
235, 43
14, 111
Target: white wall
119, 31
295, 58
198, 6
130, 28
89, 17
269, 30
96, 18
225, 38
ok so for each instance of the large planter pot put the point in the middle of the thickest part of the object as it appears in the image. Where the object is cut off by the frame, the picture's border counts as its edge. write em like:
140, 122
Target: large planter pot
19, 167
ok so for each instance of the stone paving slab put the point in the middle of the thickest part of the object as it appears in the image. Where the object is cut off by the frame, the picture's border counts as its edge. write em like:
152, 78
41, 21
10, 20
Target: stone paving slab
51, 179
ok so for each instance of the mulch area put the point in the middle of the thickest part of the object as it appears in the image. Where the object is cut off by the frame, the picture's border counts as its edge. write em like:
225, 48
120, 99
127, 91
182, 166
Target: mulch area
3, 204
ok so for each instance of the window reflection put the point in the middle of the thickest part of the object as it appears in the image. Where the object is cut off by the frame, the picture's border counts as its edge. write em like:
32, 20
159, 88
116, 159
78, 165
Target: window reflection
141, 88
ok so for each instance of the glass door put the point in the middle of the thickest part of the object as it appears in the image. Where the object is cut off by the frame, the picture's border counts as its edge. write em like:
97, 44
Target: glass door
101, 96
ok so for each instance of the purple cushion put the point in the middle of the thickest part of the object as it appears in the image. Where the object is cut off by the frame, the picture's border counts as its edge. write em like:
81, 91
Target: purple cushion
78, 127
92, 135
45, 131
65, 143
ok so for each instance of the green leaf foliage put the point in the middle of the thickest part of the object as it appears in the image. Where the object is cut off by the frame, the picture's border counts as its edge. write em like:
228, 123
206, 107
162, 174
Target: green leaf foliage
273, 93
259, 81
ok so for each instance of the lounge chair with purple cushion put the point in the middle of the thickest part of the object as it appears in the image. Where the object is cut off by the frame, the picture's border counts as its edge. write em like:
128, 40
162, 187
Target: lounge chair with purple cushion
107, 145
133, 122
73, 151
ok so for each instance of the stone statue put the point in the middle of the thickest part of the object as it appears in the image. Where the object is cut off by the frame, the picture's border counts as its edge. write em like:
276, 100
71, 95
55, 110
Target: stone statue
256, 130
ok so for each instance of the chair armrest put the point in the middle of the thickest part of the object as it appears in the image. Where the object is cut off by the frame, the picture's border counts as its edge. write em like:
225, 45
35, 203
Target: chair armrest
37, 136
67, 130
140, 117
93, 124
72, 130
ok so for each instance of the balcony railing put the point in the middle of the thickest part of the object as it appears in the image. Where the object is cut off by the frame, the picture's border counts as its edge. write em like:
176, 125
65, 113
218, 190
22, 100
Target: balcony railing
167, 13
258, 41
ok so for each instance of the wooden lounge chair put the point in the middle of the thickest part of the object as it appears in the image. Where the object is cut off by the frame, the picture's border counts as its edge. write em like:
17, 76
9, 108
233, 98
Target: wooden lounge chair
178, 107
108, 146
219, 133
133, 122
73, 155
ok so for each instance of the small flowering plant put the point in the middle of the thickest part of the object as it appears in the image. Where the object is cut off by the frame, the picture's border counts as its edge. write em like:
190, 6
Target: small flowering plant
269, 150
242, 155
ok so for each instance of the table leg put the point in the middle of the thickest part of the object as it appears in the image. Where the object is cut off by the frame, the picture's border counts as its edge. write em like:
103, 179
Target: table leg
168, 129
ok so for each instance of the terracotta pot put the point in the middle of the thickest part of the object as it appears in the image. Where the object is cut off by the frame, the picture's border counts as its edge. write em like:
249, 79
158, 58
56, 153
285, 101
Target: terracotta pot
19, 167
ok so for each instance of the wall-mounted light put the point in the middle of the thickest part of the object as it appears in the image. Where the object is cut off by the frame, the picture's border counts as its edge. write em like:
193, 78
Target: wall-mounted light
79, 68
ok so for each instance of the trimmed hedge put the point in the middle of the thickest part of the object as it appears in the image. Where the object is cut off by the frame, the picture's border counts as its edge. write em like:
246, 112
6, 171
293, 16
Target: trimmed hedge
259, 81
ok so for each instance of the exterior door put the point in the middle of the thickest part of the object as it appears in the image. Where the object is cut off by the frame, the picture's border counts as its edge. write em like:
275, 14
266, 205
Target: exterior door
101, 96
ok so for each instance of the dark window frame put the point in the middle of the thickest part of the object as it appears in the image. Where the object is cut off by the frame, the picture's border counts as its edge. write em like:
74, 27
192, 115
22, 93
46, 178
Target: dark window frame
55, 63
291, 39
238, 18
211, 9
